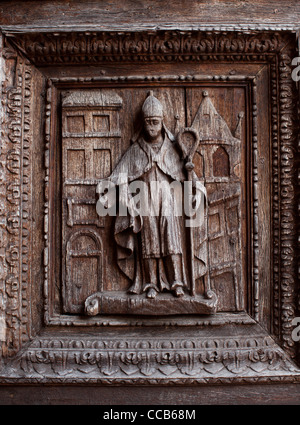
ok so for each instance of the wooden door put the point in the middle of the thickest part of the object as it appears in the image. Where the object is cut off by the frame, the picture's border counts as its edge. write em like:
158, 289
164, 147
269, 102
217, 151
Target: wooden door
76, 305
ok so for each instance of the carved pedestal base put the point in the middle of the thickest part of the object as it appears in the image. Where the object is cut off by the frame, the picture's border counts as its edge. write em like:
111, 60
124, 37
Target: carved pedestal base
164, 304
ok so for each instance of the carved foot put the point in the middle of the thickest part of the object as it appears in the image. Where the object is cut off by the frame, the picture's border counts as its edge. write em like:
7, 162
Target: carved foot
179, 292
177, 287
151, 293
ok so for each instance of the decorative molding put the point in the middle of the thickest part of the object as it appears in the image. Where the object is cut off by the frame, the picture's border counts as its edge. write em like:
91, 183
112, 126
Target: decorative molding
275, 198
164, 46
255, 231
214, 320
16, 237
46, 256
152, 361
12, 30
168, 78
288, 128
161, 360
3, 202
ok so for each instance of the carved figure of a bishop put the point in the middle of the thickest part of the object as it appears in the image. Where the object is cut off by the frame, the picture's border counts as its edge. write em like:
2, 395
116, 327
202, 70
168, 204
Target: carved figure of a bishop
150, 247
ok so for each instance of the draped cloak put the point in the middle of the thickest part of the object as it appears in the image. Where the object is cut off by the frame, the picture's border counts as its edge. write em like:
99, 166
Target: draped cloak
140, 162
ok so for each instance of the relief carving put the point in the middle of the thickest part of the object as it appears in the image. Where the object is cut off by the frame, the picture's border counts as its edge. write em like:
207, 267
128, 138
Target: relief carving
167, 258
151, 361
15, 237
154, 260
146, 47
92, 142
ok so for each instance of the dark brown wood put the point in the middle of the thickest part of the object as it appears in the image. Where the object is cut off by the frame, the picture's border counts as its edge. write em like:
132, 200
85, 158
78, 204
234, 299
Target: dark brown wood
276, 394
74, 81
211, 133
147, 14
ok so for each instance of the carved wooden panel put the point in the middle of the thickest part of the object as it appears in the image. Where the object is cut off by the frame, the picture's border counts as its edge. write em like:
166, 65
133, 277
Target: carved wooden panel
229, 122
85, 151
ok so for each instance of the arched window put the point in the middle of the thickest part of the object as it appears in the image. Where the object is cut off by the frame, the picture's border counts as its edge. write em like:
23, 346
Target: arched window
83, 269
221, 163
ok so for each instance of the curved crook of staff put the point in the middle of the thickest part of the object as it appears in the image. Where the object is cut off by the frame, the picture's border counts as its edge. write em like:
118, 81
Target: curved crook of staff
188, 140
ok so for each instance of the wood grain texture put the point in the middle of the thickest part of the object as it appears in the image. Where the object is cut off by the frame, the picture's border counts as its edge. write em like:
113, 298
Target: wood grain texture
283, 394
134, 15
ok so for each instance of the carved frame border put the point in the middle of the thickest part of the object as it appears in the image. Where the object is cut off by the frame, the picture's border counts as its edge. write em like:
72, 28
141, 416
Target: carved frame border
54, 84
22, 353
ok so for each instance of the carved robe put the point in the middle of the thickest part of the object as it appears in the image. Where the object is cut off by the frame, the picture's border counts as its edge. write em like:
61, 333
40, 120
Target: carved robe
142, 237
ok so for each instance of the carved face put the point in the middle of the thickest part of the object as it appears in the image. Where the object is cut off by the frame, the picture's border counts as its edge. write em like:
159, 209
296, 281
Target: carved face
153, 127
